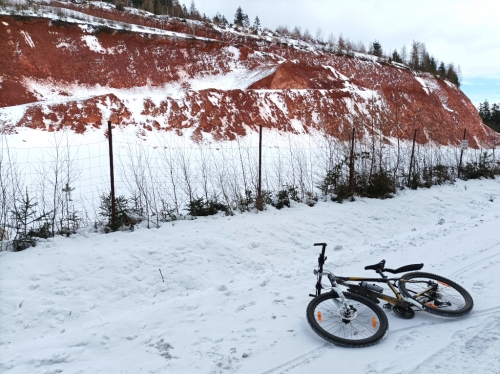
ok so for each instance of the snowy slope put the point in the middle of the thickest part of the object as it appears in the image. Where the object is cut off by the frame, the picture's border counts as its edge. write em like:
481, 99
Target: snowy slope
236, 290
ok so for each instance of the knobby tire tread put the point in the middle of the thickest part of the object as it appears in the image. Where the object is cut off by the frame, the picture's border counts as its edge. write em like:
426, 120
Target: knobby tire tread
469, 303
342, 342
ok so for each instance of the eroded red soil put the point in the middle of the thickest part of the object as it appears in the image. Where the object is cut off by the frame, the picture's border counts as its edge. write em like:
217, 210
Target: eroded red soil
316, 90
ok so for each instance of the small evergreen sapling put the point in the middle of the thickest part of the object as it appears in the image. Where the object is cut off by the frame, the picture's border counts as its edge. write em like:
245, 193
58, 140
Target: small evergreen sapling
202, 207
24, 216
123, 214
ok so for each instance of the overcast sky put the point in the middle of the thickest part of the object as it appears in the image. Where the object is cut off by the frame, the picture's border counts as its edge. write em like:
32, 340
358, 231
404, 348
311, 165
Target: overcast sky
465, 32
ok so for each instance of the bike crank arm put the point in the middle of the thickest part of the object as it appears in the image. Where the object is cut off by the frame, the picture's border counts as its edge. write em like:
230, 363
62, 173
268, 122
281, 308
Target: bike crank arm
413, 303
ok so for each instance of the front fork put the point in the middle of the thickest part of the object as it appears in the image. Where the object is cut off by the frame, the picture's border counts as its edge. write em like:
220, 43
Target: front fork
343, 301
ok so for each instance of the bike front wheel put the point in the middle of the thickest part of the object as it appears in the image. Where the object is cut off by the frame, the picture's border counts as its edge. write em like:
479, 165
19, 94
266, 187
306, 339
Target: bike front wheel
438, 295
366, 326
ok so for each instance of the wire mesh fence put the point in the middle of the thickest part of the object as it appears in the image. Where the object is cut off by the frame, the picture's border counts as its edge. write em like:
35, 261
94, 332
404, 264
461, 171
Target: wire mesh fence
62, 187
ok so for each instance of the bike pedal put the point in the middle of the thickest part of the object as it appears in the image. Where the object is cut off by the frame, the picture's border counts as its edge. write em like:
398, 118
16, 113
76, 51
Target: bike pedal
387, 306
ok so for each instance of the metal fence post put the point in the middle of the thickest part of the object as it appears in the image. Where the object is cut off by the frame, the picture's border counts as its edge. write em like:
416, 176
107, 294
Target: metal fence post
260, 202
461, 155
112, 175
412, 155
351, 165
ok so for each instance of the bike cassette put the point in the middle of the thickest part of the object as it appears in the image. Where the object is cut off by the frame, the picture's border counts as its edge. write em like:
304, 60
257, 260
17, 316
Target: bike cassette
407, 313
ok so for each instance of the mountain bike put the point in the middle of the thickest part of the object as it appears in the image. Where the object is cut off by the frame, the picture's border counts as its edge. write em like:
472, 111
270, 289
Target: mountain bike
354, 319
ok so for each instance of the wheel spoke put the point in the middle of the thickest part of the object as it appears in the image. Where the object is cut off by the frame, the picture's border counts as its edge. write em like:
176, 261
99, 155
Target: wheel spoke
439, 295
359, 328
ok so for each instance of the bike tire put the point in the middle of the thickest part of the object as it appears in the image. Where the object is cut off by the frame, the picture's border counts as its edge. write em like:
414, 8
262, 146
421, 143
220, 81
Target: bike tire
434, 301
368, 328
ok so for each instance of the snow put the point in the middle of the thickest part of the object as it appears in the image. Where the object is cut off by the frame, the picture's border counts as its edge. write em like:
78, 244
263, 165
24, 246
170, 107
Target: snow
236, 288
28, 39
93, 44
421, 81
87, 22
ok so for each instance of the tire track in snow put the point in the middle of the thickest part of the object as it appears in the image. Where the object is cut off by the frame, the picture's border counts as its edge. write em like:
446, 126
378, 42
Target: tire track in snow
463, 352
315, 353
474, 264
301, 360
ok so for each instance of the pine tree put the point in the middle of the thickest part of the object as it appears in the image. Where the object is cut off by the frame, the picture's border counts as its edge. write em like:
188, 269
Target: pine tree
239, 17
442, 70
377, 49
217, 18
396, 57
340, 44
184, 11
256, 23
246, 21
484, 112
432, 65
193, 12
495, 117
451, 74
495, 113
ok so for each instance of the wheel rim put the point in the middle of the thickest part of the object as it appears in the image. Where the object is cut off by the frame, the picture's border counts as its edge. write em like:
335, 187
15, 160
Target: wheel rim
364, 325
442, 296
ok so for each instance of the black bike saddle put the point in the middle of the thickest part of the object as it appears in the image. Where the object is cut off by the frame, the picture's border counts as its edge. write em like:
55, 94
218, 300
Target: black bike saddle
381, 264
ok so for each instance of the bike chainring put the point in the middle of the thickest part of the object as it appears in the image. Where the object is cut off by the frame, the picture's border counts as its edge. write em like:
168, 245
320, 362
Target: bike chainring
407, 313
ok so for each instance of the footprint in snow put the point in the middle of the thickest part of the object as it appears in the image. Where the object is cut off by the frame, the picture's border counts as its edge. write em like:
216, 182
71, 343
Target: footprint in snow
407, 341
244, 306
163, 348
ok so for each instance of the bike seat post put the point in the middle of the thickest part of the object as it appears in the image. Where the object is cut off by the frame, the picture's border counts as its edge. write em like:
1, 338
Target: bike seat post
380, 271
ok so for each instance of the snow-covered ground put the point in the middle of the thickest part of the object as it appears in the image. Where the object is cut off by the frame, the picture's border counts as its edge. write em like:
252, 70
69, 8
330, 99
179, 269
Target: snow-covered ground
235, 290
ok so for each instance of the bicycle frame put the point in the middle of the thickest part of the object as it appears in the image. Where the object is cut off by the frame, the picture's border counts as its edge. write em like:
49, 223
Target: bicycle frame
400, 300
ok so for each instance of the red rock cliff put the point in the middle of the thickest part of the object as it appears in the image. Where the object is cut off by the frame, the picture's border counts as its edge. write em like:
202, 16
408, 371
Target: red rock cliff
73, 75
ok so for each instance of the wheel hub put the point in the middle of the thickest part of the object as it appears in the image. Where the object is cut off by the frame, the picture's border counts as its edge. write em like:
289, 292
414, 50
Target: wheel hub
348, 315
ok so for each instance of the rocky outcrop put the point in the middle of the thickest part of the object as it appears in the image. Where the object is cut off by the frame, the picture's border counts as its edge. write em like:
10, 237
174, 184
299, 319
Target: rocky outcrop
221, 88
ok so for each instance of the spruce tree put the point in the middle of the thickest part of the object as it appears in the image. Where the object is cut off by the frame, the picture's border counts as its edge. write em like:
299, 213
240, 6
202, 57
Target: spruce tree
256, 23
396, 57
377, 49
239, 17
495, 115
193, 12
442, 70
184, 11
246, 21
484, 112
432, 65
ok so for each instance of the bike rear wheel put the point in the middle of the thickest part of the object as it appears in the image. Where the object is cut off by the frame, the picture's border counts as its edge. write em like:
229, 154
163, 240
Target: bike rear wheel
438, 295
368, 325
